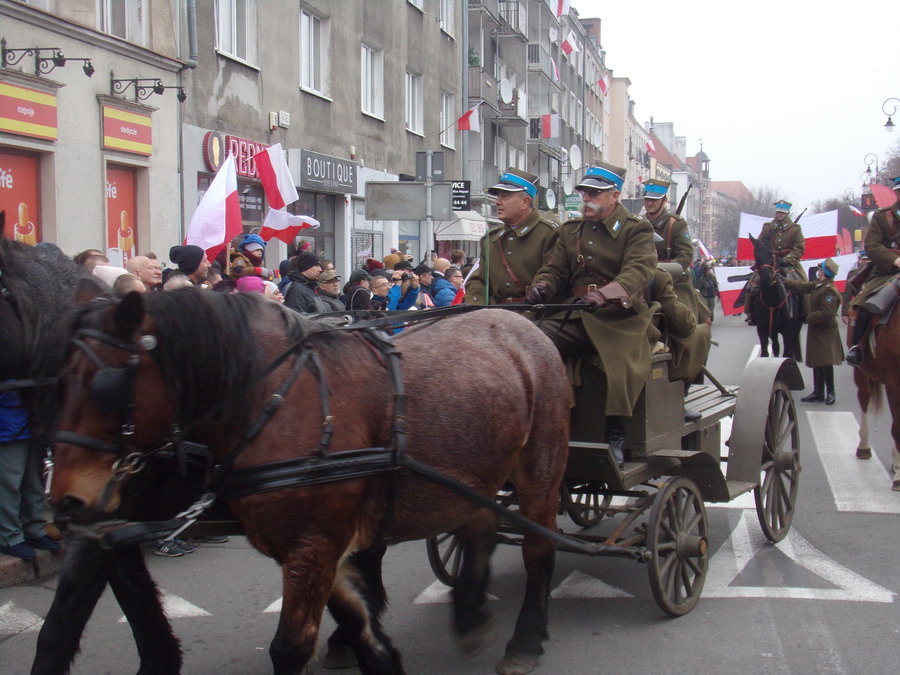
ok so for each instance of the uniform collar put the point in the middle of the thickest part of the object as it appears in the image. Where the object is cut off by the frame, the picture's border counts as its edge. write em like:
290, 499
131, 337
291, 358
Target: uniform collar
615, 222
658, 224
523, 228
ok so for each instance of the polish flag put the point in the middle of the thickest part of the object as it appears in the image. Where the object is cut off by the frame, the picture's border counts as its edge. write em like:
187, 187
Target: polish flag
461, 293
570, 44
855, 211
276, 177
603, 83
217, 219
730, 290
562, 7
703, 250
555, 69
650, 147
819, 231
285, 226
550, 125
469, 120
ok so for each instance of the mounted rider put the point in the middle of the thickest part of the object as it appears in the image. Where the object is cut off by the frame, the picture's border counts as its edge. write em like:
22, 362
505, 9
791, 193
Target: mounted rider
788, 242
878, 281
604, 260
512, 252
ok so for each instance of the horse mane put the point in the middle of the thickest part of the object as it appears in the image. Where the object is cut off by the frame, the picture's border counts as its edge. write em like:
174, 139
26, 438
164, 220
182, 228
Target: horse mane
207, 352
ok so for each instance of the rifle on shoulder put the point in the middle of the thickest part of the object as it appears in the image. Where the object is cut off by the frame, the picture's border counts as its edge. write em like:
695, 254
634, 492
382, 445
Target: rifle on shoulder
683, 199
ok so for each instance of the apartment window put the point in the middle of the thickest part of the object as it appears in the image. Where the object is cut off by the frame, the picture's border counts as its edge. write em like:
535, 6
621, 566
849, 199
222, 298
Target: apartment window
236, 23
446, 15
372, 68
313, 53
448, 121
124, 19
415, 97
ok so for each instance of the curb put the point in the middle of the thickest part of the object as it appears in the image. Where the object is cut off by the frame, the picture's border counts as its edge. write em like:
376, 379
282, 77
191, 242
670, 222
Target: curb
14, 571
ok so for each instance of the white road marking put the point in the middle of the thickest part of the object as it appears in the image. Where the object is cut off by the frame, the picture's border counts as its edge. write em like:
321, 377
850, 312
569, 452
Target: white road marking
581, 585
438, 594
857, 485
176, 607
753, 354
14, 620
736, 553
274, 607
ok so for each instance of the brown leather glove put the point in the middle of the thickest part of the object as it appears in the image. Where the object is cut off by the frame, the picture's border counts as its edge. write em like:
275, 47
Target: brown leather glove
537, 294
616, 294
595, 299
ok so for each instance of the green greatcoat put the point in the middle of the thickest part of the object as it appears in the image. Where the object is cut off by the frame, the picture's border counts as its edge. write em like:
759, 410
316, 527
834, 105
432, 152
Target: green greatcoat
688, 340
618, 248
526, 246
881, 242
823, 339
676, 240
788, 241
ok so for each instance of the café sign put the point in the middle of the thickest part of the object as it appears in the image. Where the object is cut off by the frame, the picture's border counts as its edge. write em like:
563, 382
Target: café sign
217, 146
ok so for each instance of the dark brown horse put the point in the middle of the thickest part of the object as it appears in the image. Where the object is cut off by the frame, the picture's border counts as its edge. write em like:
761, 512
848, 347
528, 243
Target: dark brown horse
880, 371
775, 311
193, 360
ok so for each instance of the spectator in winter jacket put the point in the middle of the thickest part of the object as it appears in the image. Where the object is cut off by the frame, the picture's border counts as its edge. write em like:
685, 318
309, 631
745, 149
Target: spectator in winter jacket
329, 291
356, 292
380, 288
403, 291
445, 287
302, 295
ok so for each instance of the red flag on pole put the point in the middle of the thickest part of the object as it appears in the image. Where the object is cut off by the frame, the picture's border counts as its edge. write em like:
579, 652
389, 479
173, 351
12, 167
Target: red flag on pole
217, 219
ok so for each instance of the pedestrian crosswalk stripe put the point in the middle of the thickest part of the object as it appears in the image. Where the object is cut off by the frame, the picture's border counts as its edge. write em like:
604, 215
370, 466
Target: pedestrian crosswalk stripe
857, 485
176, 607
14, 620
438, 593
746, 541
581, 585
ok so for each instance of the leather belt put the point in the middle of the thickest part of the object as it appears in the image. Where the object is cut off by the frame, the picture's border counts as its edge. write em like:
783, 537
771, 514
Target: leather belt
581, 291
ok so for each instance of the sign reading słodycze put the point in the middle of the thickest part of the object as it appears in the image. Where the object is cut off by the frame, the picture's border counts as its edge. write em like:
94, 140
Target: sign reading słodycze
461, 195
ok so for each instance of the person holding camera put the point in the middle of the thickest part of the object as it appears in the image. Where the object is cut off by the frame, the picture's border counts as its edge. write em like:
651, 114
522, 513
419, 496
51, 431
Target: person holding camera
403, 291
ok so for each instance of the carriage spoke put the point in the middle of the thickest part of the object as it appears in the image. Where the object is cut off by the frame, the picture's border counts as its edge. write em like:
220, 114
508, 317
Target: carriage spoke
694, 565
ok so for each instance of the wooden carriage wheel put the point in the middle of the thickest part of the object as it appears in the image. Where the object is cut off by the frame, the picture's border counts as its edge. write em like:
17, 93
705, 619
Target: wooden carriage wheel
776, 494
585, 503
678, 540
445, 557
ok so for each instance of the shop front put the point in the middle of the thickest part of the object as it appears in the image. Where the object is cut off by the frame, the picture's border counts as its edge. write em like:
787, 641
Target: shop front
463, 231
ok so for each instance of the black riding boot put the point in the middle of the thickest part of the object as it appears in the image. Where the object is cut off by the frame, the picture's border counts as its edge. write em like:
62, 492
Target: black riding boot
818, 394
828, 375
855, 354
615, 436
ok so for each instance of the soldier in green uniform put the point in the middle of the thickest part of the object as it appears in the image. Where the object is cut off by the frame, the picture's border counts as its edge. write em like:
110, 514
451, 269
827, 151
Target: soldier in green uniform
787, 239
674, 243
880, 290
605, 259
823, 339
511, 253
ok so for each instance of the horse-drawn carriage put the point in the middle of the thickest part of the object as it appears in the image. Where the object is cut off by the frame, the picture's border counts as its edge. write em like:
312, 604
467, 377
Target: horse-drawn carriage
674, 467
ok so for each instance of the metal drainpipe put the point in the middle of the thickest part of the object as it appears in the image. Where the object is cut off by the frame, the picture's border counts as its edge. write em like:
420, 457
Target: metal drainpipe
191, 7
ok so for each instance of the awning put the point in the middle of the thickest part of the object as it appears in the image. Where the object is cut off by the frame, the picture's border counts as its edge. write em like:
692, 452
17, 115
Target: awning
465, 226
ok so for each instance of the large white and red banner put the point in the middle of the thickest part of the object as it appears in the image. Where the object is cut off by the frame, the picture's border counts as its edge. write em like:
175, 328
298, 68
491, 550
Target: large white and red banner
729, 290
217, 219
819, 231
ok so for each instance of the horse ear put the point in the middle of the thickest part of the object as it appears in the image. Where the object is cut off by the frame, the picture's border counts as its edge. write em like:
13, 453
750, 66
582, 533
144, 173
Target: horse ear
753, 240
129, 314
87, 290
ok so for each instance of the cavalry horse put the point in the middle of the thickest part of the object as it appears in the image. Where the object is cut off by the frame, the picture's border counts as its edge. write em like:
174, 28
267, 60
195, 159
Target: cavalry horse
285, 396
880, 371
775, 311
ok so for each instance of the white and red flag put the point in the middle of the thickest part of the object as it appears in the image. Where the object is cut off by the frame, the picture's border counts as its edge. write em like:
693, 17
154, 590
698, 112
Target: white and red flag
461, 293
570, 44
819, 230
550, 125
285, 226
469, 120
855, 211
217, 219
555, 69
562, 7
276, 177
651, 148
603, 83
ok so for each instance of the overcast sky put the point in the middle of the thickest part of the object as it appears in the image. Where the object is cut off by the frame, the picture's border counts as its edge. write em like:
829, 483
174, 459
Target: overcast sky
785, 94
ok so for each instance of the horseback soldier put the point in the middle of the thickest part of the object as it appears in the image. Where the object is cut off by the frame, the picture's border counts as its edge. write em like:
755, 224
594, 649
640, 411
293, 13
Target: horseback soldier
823, 339
514, 251
674, 244
604, 260
878, 281
787, 240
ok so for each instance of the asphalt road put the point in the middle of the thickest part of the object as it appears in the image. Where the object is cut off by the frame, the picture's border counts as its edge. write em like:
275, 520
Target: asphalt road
822, 601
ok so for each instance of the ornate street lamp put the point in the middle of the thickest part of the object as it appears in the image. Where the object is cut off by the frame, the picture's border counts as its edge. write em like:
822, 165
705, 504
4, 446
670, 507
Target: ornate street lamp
889, 125
42, 64
144, 87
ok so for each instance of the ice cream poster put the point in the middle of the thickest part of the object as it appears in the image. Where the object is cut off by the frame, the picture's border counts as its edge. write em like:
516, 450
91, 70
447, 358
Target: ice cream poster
121, 215
19, 197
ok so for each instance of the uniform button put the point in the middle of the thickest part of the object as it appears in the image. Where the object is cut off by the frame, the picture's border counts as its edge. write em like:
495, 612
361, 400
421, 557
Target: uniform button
593, 227
511, 237
507, 283
590, 257
509, 253
591, 243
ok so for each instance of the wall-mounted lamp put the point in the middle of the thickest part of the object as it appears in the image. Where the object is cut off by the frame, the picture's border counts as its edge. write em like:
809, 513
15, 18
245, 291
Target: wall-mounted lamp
144, 87
42, 64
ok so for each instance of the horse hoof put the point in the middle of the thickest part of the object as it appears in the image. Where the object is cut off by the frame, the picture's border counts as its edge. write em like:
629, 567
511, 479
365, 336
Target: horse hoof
517, 664
475, 641
864, 453
339, 658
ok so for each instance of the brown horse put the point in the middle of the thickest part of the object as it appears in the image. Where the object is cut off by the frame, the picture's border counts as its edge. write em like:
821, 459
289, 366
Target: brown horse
208, 365
880, 371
